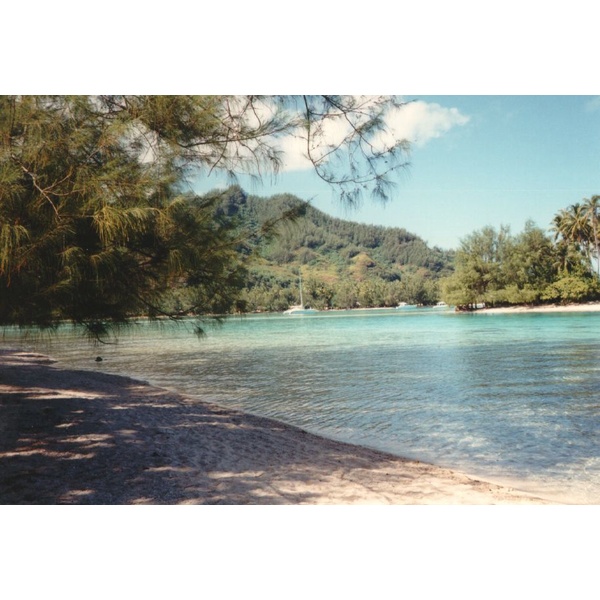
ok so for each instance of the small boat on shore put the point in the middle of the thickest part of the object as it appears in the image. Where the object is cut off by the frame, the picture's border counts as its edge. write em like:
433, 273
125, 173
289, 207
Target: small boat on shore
300, 309
441, 305
406, 306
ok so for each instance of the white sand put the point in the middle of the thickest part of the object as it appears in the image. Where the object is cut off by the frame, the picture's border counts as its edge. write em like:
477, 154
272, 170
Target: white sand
84, 437
588, 307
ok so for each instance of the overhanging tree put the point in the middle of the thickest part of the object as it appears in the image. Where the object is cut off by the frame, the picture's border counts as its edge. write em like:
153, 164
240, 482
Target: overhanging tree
97, 224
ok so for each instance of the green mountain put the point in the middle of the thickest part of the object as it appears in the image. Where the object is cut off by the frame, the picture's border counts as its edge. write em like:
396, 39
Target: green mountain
343, 264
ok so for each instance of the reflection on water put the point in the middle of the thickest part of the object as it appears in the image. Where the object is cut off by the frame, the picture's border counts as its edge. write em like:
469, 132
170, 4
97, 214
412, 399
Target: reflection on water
507, 397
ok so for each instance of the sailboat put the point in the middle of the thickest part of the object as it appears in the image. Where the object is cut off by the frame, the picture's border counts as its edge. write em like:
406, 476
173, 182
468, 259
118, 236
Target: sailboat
299, 309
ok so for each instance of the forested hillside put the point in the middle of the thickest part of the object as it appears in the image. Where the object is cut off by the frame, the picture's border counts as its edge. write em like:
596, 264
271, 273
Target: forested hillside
343, 264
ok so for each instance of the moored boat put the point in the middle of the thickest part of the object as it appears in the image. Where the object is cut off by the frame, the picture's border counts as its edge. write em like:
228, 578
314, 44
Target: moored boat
300, 309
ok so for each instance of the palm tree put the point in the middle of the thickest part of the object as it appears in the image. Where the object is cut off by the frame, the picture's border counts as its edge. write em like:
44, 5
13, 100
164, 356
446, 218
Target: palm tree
592, 206
573, 226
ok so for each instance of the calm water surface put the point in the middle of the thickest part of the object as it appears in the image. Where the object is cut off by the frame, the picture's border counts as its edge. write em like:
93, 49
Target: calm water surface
511, 398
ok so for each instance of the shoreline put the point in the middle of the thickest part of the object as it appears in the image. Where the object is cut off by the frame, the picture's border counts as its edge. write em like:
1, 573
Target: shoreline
519, 308
83, 437
551, 308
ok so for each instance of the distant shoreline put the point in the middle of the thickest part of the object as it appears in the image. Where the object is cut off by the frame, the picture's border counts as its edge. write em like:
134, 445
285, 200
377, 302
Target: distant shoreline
587, 307
521, 308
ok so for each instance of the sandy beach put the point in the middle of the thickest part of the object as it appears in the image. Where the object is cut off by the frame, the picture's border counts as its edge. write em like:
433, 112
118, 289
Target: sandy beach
586, 307
82, 437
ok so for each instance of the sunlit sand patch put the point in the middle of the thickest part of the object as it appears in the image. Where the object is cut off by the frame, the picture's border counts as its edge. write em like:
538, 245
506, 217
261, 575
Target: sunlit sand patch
36, 393
92, 440
172, 469
78, 456
75, 495
146, 405
207, 423
48, 453
128, 432
92, 437
65, 394
233, 474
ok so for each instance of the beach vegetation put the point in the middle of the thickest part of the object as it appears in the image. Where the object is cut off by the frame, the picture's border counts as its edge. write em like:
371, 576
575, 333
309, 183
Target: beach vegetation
496, 268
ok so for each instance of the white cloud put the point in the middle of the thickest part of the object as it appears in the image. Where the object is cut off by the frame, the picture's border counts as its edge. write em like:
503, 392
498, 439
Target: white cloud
417, 122
329, 133
294, 153
420, 121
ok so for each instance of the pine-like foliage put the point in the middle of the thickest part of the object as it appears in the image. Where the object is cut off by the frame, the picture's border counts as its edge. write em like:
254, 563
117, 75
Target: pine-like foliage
94, 226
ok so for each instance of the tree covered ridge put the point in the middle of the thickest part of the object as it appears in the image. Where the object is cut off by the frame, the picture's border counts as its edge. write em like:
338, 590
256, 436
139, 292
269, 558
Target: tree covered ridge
343, 264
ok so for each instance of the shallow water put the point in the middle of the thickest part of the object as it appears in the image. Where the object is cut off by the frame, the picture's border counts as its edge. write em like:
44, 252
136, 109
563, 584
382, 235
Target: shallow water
510, 398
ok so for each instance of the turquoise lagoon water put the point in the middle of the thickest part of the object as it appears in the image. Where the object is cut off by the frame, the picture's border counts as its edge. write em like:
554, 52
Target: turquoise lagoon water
512, 398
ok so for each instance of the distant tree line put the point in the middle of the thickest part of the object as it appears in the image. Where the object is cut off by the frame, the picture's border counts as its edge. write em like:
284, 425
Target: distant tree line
276, 294
497, 268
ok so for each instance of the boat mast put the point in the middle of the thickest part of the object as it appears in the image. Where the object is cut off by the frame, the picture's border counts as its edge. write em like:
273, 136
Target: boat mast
301, 300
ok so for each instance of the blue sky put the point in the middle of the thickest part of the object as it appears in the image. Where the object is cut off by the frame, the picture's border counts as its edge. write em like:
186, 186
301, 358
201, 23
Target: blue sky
475, 161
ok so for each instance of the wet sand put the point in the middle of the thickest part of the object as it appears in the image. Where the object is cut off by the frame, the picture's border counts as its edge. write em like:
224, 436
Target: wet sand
81, 437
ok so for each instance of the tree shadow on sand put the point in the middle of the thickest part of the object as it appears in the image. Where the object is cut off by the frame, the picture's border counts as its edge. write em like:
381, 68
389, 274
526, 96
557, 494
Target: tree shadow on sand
82, 437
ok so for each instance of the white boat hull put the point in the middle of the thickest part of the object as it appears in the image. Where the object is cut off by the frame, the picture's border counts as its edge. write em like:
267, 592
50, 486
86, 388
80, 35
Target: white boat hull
300, 311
